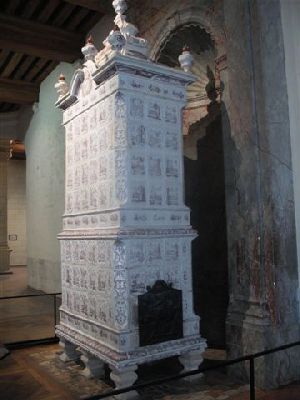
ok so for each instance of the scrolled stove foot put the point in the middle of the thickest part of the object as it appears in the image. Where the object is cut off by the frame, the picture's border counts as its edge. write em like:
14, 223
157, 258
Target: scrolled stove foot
94, 367
191, 362
69, 351
124, 377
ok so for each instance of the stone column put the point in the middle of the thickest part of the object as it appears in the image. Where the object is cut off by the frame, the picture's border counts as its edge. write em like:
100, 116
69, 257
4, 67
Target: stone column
263, 309
4, 249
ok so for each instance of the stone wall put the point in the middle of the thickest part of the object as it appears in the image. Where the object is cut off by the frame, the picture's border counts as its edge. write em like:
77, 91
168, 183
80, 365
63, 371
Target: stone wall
16, 211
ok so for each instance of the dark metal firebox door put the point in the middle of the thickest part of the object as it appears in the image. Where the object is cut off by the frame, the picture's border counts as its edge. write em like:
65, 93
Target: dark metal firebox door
160, 314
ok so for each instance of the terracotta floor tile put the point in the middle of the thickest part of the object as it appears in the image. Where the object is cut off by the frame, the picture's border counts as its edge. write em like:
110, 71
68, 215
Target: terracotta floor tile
290, 393
40, 374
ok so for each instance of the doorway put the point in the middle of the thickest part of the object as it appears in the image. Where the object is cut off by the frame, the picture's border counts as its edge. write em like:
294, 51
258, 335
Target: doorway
204, 180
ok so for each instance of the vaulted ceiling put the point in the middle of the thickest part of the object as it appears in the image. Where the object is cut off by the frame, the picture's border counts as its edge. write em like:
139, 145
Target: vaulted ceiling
35, 35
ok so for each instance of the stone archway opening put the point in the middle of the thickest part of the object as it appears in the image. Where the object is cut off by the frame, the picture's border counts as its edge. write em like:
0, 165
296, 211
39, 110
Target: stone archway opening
204, 178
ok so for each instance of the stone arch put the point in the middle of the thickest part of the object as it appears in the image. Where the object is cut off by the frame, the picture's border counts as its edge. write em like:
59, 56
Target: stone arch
210, 20
202, 92
188, 16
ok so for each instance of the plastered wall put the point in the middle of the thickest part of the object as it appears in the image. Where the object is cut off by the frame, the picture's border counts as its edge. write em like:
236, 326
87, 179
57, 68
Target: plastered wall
44, 144
290, 14
16, 211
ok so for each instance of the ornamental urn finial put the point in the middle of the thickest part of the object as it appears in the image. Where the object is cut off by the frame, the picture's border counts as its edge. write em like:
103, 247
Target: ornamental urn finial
61, 86
89, 50
123, 39
120, 6
134, 45
116, 39
186, 59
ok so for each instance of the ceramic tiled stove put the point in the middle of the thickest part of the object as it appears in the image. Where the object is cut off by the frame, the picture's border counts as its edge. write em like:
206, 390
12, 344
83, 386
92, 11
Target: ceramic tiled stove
126, 240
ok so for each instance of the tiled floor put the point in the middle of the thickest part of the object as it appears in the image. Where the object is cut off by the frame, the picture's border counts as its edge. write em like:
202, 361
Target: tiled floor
37, 373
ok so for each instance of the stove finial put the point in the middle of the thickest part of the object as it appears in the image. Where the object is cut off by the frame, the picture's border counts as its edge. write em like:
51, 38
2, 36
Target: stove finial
89, 50
186, 59
61, 86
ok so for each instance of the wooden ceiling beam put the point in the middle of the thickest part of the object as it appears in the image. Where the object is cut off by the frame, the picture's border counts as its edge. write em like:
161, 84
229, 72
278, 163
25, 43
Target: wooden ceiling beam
11, 65
18, 92
44, 41
102, 6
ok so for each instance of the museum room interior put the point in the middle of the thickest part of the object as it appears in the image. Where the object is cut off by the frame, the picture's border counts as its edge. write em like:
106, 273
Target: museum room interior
150, 199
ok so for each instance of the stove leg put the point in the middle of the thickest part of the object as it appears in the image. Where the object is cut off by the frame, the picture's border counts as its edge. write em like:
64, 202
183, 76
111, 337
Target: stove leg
122, 378
191, 362
94, 367
70, 353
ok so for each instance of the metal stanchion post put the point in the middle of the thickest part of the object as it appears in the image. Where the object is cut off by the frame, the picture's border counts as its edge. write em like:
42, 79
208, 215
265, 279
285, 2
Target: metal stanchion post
252, 379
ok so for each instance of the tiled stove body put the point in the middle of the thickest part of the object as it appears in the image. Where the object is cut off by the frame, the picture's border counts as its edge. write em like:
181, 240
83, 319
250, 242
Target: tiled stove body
125, 224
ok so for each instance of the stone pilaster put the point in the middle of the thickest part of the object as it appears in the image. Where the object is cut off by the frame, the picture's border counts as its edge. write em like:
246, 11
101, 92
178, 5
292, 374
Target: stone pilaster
4, 249
263, 309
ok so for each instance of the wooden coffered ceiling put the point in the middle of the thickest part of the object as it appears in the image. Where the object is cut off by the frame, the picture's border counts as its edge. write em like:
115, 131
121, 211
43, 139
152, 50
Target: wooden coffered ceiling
35, 35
